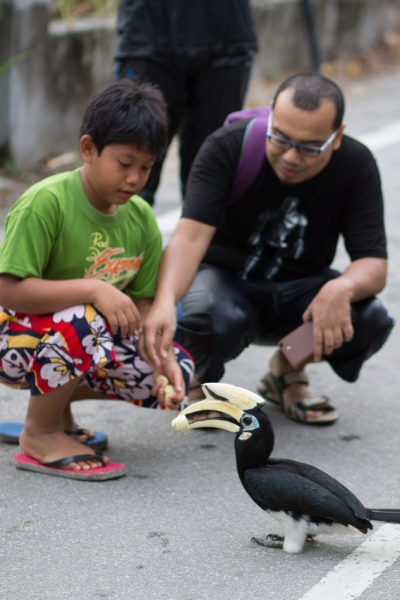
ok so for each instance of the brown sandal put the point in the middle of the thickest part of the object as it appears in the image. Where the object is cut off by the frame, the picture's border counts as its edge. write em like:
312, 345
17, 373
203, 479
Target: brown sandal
271, 388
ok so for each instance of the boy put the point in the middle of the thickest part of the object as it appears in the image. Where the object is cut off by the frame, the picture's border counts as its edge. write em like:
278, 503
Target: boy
72, 243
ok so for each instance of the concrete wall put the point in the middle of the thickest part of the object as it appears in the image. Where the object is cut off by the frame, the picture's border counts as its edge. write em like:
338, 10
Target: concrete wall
50, 91
344, 26
42, 99
5, 48
47, 92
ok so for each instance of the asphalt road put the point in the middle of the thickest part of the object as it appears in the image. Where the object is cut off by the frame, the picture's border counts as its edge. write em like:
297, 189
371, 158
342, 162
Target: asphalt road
178, 526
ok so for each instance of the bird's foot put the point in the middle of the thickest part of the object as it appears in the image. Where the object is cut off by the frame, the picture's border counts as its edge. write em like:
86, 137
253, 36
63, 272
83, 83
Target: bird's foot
274, 537
271, 541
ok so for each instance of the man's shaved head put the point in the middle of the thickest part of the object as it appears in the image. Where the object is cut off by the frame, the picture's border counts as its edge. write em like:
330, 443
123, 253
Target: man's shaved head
310, 90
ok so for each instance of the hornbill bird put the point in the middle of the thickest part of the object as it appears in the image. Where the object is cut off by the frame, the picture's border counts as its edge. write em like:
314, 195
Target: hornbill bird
304, 500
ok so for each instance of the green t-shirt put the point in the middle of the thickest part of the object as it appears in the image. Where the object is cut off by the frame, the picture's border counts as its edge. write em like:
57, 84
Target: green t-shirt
54, 233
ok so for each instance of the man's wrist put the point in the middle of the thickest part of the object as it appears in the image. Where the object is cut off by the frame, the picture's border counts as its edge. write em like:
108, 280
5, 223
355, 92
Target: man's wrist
342, 284
163, 300
348, 287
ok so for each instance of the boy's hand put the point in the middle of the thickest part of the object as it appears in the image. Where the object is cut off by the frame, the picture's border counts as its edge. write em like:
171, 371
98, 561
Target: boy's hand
166, 394
169, 386
119, 310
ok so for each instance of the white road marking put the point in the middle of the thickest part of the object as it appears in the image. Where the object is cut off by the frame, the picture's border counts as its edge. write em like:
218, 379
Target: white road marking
382, 138
356, 573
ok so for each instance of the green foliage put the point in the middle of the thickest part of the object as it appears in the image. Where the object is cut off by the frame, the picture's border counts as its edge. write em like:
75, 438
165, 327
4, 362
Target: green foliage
14, 61
70, 9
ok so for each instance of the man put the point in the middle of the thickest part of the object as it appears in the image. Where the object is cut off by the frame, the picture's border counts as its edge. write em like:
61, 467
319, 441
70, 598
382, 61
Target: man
199, 54
257, 269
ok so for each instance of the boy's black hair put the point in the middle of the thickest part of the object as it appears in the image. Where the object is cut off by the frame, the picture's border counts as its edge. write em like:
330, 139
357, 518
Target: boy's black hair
125, 112
310, 89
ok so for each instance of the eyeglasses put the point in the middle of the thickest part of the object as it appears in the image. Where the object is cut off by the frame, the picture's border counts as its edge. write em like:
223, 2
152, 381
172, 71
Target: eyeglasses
303, 149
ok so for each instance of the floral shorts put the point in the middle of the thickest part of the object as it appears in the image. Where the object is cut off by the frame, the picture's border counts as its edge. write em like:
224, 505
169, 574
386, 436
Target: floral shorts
43, 352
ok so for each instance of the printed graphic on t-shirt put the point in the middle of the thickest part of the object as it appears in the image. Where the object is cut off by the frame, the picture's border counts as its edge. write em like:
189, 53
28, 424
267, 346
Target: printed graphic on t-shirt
110, 264
282, 230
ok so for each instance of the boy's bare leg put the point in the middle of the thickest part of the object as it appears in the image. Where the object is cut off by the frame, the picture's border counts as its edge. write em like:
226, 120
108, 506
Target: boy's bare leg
83, 392
43, 435
68, 424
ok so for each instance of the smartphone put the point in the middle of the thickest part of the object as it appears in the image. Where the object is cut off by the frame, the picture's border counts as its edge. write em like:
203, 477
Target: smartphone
298, 346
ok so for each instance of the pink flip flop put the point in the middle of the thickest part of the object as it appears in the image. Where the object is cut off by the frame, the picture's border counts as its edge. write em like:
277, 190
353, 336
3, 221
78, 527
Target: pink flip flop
106, 471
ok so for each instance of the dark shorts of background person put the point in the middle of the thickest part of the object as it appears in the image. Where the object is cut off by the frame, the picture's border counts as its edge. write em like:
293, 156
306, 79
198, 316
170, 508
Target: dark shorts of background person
221, 315
200, 92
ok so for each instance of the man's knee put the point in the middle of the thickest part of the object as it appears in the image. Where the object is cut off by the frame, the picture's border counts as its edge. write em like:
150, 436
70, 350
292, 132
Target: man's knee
223, 322
372, 324
232, 321
372, 327
215, 306
216, 336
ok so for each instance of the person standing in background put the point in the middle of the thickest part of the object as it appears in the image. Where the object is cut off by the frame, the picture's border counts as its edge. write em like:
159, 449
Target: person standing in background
199, 55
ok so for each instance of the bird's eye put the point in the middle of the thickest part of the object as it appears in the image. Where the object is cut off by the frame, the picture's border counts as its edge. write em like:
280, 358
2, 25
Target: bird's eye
247, 421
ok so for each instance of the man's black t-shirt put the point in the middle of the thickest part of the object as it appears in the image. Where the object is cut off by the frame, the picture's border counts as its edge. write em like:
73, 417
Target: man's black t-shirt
283, 232
188, 27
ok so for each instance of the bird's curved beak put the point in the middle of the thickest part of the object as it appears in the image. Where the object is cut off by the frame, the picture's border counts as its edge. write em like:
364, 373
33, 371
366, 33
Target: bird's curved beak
227, 400
237, 396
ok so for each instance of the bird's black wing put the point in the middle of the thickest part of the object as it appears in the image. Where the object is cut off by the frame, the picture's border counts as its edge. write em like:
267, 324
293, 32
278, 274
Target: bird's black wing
313, 474
277, 489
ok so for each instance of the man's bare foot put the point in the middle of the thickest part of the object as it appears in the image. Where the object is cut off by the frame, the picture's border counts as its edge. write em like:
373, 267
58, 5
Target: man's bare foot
296, 392
50, 446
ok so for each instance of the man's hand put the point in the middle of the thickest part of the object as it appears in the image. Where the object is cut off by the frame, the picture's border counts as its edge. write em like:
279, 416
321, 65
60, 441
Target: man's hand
157, 334
117, 308
181, 258
331, 317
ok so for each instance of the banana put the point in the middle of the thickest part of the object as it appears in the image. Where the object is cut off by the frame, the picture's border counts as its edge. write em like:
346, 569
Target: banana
169, 389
